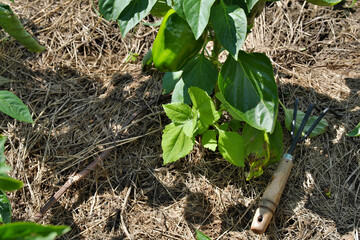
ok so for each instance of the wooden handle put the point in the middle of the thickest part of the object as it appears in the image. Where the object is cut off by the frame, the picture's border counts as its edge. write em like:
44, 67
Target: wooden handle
271, 196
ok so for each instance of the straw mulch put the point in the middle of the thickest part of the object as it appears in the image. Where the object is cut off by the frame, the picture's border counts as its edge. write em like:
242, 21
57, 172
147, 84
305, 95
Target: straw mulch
84, 87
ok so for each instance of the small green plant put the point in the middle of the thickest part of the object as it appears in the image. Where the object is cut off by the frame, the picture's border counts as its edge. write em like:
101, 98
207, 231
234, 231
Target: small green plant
14, 107
12, 25
243, 86
201, 236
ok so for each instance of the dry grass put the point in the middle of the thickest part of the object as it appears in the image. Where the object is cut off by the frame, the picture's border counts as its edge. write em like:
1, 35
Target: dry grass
81, 90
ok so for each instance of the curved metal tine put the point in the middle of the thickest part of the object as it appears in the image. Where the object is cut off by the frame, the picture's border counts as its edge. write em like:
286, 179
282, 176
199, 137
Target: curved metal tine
314, 124
303, 122
293, 122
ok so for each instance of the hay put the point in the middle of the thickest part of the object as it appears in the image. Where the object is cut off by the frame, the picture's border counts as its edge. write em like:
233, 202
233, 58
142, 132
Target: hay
81, 90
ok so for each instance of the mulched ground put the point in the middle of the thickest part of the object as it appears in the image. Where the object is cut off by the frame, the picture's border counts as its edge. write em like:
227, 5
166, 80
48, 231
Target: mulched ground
83, 88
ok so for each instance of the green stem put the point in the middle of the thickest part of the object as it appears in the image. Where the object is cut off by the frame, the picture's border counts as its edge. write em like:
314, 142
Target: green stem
282, 105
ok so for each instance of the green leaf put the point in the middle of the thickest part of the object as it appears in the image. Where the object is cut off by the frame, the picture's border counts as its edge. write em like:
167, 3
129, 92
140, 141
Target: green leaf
179, 112
2, 149
11, 105
319, 129
200, 72
3, 167
231, 147
261, 148
9, 184
133, 14
224, 126
197, 13
169, 81
230, 26
205, 107
355, 132
111, 9
235, 125
31, 231
324, 2
176, 142
12, 25
177, 5
5, 208
147, 60
201, 236
248, 90
209, 140
180, 93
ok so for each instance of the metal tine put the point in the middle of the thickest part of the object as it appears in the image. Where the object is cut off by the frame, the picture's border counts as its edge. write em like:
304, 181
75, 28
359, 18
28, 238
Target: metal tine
314, 124
303, 122
293, 122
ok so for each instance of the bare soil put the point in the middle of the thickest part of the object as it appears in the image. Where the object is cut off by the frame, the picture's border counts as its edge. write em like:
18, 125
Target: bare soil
83, 87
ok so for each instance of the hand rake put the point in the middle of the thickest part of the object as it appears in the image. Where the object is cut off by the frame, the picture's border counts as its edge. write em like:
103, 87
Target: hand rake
272, 194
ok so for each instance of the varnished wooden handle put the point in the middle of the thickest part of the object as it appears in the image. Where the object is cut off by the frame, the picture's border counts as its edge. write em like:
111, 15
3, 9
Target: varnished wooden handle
271, 196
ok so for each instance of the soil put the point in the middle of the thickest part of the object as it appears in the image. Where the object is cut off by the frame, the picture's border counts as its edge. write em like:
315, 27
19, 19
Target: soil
84, 87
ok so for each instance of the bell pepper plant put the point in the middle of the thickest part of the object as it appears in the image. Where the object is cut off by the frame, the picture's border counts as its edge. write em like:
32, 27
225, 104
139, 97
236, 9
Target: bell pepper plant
202, 87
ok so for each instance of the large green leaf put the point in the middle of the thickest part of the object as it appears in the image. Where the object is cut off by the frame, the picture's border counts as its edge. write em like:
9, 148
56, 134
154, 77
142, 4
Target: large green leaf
176, 141
9, 184
200, 72
248, 90
324, 2
133, 14
197, 13
231, 147
201, 236
319, 129
111, 9
179, 112
230, 26
12, 25
205, 107
177, 5
209, 140
355, 132
11, 105
31, 231
5, 208
169, 81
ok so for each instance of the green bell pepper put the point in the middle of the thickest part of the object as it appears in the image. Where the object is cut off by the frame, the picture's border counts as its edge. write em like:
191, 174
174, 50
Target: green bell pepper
175, 43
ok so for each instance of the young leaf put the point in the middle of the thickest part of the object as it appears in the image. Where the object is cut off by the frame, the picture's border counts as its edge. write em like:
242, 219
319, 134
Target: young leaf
133, 14
147, 60
179, 112
204, 105
180, 93
5, 208
31, 231
224, 126
12, 25
249, 91
231, 147
201, 236
230, 26
197, 13
209, 140
14, 107
176, 143
111, 9
319, 129
324, 2
169, 81
355, 132
9, 184
200, 72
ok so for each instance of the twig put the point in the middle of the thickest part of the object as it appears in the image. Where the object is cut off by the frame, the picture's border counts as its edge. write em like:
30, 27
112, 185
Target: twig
91, 166
123, 226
